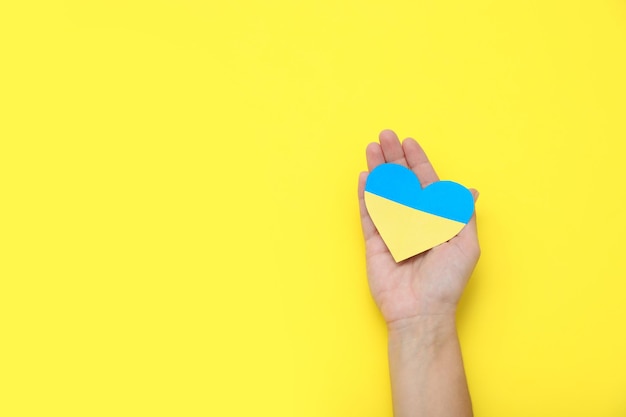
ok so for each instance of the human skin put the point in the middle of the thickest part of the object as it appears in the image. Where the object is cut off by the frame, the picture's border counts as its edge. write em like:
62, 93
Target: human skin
418, 298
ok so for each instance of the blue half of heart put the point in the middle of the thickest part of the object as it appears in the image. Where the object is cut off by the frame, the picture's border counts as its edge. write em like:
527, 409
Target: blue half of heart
443, 198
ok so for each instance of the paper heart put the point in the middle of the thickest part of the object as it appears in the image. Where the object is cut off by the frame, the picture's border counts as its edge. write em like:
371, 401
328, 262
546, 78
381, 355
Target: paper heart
410, 219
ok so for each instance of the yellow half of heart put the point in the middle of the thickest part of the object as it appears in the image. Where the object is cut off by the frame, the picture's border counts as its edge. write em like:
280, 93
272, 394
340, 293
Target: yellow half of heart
407, 231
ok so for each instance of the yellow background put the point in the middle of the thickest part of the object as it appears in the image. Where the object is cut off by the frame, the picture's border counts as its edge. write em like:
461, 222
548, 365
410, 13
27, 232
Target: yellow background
179, 232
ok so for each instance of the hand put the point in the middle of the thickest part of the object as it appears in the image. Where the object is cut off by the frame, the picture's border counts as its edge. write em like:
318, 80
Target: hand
428, 284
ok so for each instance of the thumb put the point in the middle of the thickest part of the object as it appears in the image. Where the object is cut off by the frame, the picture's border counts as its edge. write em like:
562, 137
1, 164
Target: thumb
469, 233
475, 194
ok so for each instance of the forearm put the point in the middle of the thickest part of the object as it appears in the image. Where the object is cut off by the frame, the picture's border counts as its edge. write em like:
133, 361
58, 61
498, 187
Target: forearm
426, 366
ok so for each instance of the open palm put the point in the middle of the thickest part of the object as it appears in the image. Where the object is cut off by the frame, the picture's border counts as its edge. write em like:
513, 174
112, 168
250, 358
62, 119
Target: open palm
432, 282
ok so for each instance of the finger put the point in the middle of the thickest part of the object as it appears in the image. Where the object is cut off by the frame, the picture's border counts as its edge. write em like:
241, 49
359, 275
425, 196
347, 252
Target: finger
369, 230
374, 156
392, 149
418, 162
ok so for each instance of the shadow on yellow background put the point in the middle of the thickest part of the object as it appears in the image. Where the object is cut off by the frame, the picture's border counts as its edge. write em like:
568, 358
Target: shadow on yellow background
179, 227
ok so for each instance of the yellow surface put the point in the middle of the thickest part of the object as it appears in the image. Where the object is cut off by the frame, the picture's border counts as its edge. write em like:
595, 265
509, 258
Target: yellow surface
179, 229
407, 231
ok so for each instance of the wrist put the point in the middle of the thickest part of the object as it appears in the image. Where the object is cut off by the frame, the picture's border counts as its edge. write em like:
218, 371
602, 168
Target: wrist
424, 329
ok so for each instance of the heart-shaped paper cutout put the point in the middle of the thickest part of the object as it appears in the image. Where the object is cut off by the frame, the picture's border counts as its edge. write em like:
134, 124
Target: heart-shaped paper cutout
410, 219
